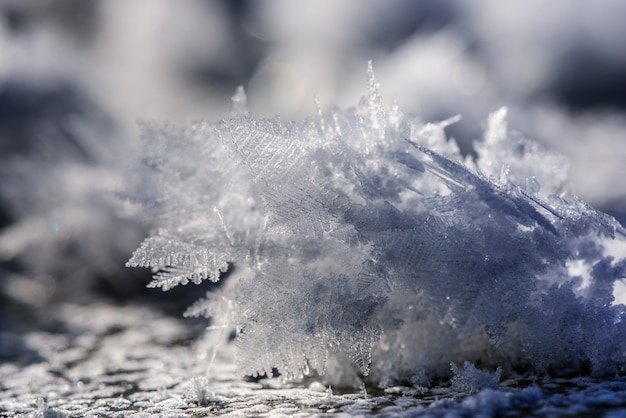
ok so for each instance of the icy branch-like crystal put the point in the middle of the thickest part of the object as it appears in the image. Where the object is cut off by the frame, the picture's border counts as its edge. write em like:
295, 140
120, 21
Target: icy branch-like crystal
363, 233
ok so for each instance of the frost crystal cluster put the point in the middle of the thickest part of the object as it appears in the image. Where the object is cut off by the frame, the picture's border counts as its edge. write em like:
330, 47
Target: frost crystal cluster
365, 234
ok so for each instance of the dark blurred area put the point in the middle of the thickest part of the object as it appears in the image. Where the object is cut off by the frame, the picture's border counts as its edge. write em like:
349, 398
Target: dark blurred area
75, 75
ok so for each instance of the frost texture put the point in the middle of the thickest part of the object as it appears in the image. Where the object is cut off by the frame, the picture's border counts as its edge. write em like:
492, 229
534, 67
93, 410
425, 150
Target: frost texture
364, 233
471, 380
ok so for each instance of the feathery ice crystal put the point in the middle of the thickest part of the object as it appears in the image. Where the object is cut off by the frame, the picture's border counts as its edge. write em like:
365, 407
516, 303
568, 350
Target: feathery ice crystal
364, 233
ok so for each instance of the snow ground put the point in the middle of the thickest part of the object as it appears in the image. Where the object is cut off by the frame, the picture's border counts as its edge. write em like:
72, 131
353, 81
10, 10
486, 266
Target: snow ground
107, 360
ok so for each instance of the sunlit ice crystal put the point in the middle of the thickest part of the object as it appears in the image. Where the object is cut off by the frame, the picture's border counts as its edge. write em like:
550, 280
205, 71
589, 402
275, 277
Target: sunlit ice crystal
364, 234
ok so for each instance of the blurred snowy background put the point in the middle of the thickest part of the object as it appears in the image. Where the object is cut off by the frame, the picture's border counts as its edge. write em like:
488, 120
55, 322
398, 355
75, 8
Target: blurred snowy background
76, 75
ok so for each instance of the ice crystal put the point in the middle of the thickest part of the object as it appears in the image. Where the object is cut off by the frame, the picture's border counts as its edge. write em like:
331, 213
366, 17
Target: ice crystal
471, 380
365, 233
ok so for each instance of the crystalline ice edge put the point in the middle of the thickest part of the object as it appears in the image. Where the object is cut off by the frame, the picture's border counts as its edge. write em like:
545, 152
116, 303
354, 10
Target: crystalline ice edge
364, 233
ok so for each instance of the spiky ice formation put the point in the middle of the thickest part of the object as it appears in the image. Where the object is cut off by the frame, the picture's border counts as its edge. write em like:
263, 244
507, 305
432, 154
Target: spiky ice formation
364, 233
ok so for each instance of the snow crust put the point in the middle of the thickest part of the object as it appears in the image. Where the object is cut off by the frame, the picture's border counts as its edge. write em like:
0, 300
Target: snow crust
102, 360
365, 234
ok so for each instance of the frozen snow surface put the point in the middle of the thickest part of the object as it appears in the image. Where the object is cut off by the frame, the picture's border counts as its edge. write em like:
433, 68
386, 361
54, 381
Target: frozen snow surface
102, 360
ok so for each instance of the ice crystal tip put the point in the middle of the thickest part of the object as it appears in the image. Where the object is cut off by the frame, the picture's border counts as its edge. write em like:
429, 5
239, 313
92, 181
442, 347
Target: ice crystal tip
239, 102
